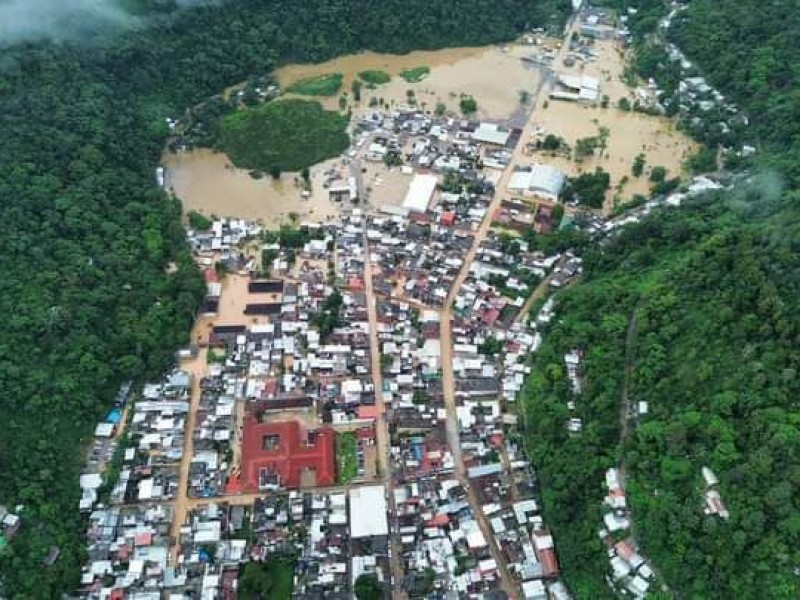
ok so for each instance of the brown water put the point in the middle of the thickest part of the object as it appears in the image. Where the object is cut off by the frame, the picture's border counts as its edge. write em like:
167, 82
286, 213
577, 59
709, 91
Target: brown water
206, 181
630, 133
493, 76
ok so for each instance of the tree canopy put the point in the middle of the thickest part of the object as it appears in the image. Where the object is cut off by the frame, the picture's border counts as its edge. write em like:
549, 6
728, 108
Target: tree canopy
287, 135
715, 361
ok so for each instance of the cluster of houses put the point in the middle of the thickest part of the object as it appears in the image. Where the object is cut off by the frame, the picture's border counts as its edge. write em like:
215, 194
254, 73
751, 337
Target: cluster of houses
212, 545
128, 553
417, 258
222, 243
286, 399
410, 347
435, 143
506, 495
518, 215
215, 425
445, 549
630, 571
442, 545
493, 335
326, 540
129, 517
703, 108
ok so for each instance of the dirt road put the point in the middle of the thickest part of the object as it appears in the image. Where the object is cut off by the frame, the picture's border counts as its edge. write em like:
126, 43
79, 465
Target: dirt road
446, 315
381, 423
197, 368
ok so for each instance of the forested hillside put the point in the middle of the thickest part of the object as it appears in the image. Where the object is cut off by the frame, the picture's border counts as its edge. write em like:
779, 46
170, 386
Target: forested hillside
86, 239
749, 50
718, 325
713, 289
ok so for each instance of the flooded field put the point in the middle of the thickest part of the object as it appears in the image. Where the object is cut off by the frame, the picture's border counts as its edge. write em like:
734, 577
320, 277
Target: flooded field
206, 181
493, 76
629, 133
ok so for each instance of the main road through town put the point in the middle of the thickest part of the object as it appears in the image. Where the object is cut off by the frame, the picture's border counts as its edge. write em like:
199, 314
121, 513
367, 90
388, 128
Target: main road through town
446, 316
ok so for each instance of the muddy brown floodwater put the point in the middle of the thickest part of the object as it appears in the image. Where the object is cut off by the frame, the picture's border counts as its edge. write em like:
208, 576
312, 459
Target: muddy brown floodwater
207, 182
629, 133
494, 76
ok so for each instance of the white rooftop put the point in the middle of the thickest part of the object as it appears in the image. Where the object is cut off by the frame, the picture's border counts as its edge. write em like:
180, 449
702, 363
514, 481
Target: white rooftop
490, 133
420, 192
368, 512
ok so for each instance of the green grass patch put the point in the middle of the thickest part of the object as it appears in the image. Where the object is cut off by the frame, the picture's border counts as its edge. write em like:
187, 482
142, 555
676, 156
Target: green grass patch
346, 457
416, 74
375, 77
288, 135
271, 580
321, 85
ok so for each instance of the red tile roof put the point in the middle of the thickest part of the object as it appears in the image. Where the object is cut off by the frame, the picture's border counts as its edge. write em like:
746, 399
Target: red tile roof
490, 316
355, 283
439, 520
366, 411
291, 456
366, 433
549, 562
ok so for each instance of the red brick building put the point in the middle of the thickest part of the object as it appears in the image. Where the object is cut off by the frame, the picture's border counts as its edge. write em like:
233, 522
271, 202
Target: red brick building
283, 455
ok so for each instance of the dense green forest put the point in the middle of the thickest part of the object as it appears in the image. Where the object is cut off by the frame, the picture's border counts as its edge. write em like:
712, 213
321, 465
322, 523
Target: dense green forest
86, 237
283, 135
712, 291
748, 50
718, 325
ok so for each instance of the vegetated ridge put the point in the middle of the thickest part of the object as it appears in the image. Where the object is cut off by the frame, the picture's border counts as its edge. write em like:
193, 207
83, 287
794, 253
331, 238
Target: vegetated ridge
715, 289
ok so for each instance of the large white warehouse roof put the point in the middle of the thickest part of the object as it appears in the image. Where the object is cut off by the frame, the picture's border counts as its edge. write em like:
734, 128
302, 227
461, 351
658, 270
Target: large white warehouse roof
420, 193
